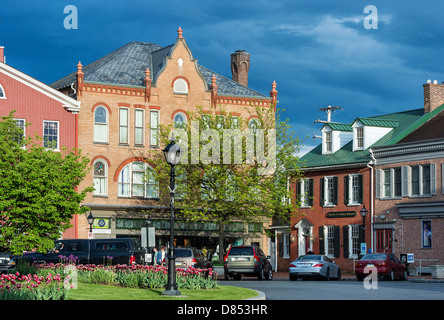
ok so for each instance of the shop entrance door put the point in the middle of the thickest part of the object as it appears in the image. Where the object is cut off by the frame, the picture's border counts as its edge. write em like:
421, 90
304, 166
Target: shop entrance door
384, 239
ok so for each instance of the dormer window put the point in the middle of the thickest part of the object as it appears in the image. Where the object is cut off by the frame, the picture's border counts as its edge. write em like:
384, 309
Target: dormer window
328, 142
359, 138
335, 136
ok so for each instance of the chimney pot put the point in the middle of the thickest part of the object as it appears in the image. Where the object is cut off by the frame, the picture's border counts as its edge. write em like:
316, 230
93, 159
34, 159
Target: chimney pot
2, 54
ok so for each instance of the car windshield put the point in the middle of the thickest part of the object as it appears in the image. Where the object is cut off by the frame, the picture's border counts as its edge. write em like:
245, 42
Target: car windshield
241, 251
374, 256
309, 257
183, 253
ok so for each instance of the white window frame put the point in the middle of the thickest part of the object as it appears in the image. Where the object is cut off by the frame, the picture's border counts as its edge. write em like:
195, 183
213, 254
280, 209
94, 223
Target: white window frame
154, 131
432, 180
2, 90
354, 240
139, 130
57, 147
327, 202
353, 189
17, 120
305, 203
123, 126
329, 235
180, 86
100, 124
183, 115
328, 143
98, 177
286, 245
126, 178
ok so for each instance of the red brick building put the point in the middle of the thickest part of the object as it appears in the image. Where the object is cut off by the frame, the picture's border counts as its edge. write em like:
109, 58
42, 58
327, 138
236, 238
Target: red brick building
340, 179
50, 114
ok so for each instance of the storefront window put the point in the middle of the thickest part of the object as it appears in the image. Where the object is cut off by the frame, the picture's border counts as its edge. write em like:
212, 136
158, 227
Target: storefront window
426, 234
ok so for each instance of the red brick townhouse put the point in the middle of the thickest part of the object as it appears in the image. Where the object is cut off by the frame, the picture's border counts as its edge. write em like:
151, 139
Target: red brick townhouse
339, 180
50, 114
125, 95
409, 205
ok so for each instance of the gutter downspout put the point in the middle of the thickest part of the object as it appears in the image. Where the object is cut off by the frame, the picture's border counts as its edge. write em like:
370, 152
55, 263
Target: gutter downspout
371, 165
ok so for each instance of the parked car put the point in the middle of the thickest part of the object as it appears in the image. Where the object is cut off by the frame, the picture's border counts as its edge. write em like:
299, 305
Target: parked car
386, 264
92, 251
314, 266
247, 261
7, 263
190, 257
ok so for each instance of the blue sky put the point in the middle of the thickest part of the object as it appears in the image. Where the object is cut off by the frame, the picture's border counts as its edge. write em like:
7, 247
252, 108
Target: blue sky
318, 52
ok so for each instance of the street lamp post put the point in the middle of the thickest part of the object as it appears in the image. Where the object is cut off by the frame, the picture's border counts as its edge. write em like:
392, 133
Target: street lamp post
363, 213
172, 157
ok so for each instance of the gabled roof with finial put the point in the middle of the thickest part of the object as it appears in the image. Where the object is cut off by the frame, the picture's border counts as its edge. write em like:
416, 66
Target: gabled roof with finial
127, 66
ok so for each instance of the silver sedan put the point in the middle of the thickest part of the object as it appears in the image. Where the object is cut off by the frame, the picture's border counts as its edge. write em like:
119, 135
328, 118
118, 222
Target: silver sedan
314, 266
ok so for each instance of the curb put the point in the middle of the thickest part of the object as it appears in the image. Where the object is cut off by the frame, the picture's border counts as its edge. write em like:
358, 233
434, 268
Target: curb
260, 296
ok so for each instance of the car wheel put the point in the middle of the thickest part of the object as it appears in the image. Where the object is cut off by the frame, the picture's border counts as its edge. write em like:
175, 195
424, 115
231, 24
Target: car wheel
261, 274
327, 275
339, 275
237, 277
392, 275
227, 277
269, 275
404, 276
293, 277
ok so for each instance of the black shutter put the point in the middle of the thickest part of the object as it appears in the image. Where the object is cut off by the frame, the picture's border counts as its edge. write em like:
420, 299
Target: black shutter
337, 241
345, 241
321, 188
361, 189
321, 240
346, 196
310, 195
335, 191
298, 191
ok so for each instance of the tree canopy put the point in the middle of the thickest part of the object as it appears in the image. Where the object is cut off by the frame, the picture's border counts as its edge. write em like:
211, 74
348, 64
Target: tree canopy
38, 190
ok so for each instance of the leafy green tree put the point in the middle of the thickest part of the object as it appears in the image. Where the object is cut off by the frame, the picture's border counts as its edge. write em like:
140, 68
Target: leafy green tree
245, 180
38, 190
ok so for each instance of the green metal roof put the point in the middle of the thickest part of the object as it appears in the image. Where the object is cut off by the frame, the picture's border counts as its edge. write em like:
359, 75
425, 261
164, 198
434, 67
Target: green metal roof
403, 123
372, 122
338, 126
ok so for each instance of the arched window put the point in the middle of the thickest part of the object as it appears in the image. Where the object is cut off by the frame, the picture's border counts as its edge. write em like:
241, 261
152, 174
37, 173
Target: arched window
137, 179
2, 92
100, 177
180, 120
180, 86
100, 124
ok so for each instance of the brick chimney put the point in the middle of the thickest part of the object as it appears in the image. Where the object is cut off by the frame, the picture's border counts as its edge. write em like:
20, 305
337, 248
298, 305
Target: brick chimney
240, 64
433, 95
2, 54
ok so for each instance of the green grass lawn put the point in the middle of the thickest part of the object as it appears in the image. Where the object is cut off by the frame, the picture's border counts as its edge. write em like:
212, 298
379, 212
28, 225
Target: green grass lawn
110, 292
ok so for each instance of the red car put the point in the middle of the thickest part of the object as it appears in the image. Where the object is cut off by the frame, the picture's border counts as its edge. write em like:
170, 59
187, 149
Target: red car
386, 264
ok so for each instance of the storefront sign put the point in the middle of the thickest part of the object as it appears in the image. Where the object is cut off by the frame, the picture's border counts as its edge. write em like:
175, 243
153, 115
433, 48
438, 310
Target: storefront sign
341, 214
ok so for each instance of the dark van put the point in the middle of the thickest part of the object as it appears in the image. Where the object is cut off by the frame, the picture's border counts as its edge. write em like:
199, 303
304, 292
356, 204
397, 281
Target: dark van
92, 251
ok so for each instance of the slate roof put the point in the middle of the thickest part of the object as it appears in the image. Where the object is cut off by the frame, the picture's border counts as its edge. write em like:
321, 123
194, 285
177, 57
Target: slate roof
403, 123
126, 66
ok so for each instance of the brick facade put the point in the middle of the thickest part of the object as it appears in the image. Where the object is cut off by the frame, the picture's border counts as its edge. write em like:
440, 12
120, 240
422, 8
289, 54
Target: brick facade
159, 96
34, 103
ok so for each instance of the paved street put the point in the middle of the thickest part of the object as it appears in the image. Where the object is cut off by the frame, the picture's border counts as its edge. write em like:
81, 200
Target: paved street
283, 289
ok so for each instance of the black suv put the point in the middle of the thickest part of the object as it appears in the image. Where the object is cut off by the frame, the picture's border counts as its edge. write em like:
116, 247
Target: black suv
248, 261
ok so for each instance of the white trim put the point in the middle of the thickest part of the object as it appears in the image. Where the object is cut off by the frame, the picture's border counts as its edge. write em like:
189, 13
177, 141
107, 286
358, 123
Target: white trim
4, 92
67, 102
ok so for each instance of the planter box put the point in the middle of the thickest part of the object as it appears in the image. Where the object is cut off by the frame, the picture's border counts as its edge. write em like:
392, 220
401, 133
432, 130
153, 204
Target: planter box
437, 271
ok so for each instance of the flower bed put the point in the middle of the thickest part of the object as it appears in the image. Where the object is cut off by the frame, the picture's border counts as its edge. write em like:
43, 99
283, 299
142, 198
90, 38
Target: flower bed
44, 285
32, 287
